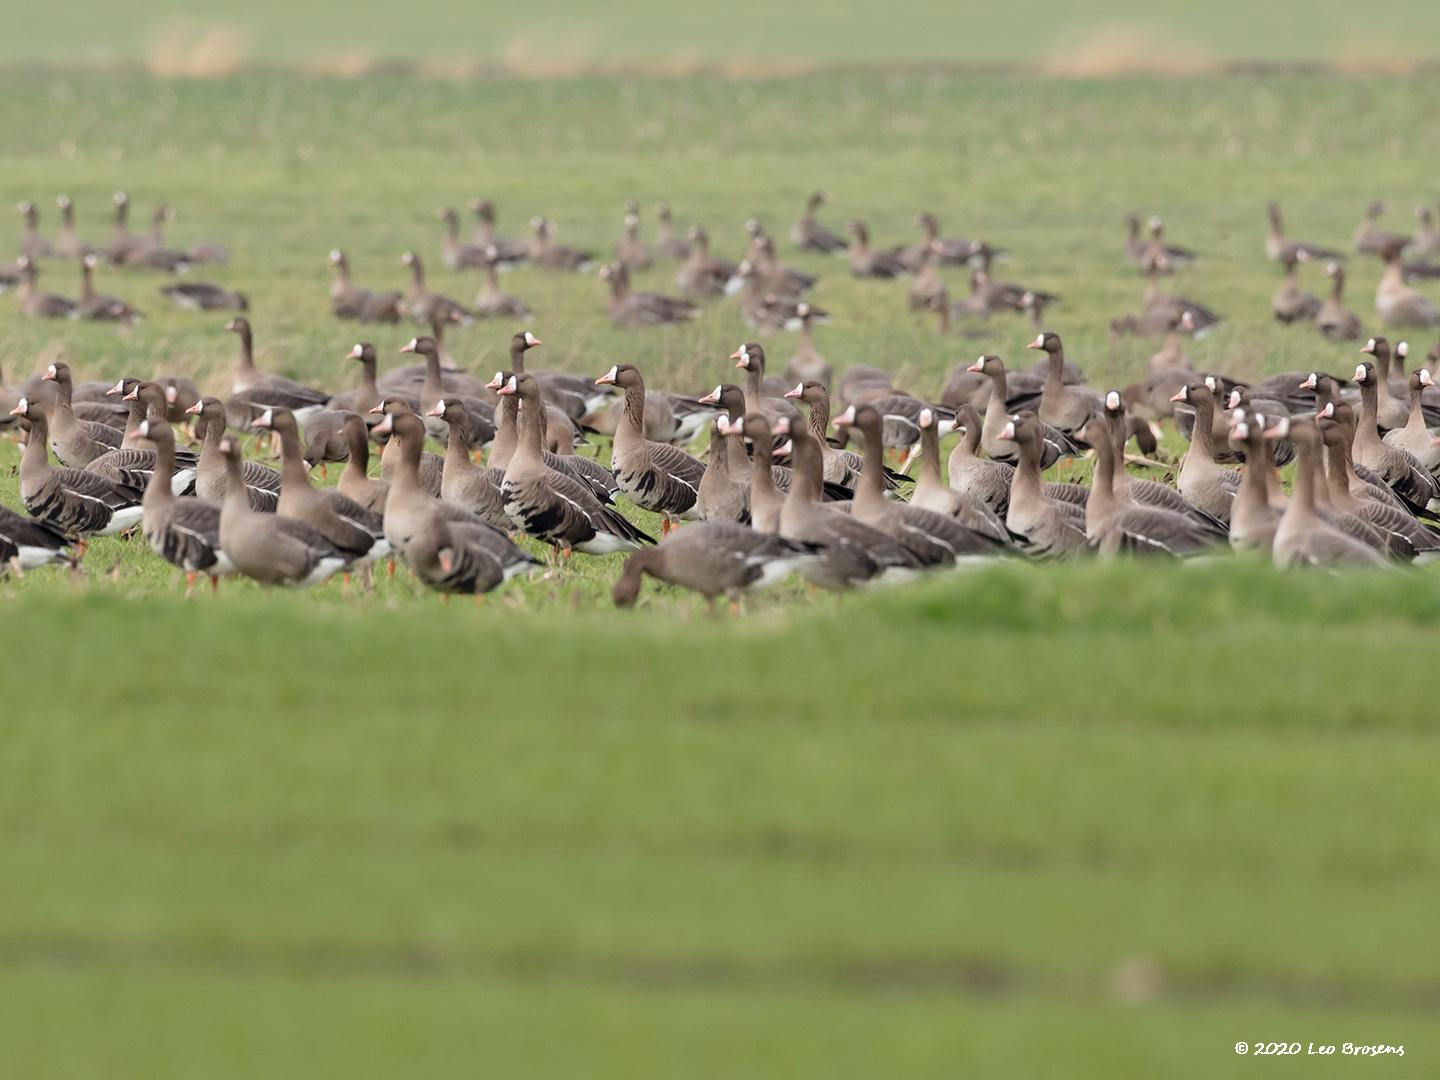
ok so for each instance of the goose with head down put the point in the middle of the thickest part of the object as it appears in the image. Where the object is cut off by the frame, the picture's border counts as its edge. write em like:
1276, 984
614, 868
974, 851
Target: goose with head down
714, 559
28, 542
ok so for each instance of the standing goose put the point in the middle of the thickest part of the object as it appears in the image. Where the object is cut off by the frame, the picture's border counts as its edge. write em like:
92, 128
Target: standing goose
981, 479
1415, 436
809, 235
75, 442
750, 358
35, 304
1201, 480
932, 494
1334, 320
1139, 490
134, 462
1291, 302
183, 532
807, 363
849, 551
33, 246
1370, 238
1365, 483
934, 539
205, 296
1054, 444
422, 305
1396, 467
365, 396
467, 388
68, 244
1303, 538
259, 390
656, 476
355, 480
866, 263
1278, 247
632, 252
713, 558
349, 301
97, 307
1044, 527
1254, 515
766, 500
551, 506
840, 466
548, 255
1389, 413
454, 254
486, 234
261, 483
1396, 302
1348, 493
476, 488
429, 468
628, 308
703, 276
927, 291
667, 243
722, 497
271, 549
493, 302
27, 543
74, 501
1065, 408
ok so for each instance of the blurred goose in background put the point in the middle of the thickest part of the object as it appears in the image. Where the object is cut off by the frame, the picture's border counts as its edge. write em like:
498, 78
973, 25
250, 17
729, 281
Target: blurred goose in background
628, 308
1370, 238
454, 254
868, 263
809, 235
1278, 246
1334, 320
68, 244
548, 255
1425, 243
1170, 257
36, 304
122, 242
195, 255
1397, 303
492, 302
1292, 303
807, 363
703, 276
422, 305
33, 246
97, 307
668, 244
349, 301
632, 252
486, 235
204, 296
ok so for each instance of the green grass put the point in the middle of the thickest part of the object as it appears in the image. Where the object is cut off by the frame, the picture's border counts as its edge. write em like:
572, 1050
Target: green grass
1094, 820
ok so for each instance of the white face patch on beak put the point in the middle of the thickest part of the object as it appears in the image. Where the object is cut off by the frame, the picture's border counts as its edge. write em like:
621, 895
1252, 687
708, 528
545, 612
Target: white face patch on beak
1359, 372
531, 339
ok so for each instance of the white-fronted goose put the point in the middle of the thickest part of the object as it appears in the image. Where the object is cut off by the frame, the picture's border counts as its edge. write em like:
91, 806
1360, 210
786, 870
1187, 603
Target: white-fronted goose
150, 253
75, 442
1044, 527
205, 296
355, 480
551, 506
259, 390
809, 235
1370, 238
1396, 467
454, 254
1053, 444
367, 395
268, 548
628, 308
807, 363
1334, 320
927, 290
68, 244
455, 557
632, 252
1389, 413
196, 254
1137, 489
1291, 302
493, 302
713, 558
931, 492
668, 244
1065, 408
1365, 483
868, 263
470, 390
1405, 535
1254, 515
548, 255
325, 439
422, 305
1201, 480
1396, 302
262, 483
1172, 256
476, 488
183, 532
97, 307
134, 462
27, 543
952, 251
750, 358
767, 311
839, 466
655, 475
766, 499
1415, 436
486, 234
1114, 524
430, 468
32, 245
123, 243
76, 502
36, 304
783, 281
982, 479
703, 276
1303, 538
1278, 247
349, 301
849, 551
722, 497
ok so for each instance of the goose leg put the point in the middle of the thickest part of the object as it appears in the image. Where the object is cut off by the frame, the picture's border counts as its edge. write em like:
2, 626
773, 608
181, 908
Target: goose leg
190, 577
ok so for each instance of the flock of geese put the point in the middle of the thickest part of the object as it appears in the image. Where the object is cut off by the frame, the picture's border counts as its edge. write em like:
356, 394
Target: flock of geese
778, 489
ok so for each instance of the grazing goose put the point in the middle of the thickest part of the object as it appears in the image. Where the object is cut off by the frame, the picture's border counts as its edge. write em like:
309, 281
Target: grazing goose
629, 308
493, 302
1065, 408
75, 442
849, 551
548, 255
1043, 527
656, 476
1303, 537
1278, 247
1396, 467
422, 305
632, 252
27, 543
355, 480
258, 390
325, 439
486, 235
1291, 302
454, 557
932, 494
1053, 444
1370, 238
807, 363
268, 548
35, 304
934, 539
351, 529
714, 558
262, 483
1389, 413
183, 532
1201, 480
454, 254
1114, 524
703, 276
474, 487
33, 246
551, 506
1334, 320
1255, 514
722, 497
97, 307
68, 244
349, 301
367, 395
809, 235
1396, 302
76, 502
867, 263
204, 296
750, 358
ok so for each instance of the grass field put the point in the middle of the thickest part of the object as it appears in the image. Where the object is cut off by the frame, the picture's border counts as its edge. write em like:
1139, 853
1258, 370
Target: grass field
1096, 821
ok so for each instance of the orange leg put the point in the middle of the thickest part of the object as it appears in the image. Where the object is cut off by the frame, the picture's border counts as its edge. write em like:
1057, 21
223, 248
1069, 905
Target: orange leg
214, 584
390, 568
190, 578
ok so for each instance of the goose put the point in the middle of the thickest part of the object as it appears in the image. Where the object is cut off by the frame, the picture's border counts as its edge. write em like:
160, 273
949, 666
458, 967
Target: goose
356, 482
703, 276
1278, 247
134, 462
367, 395
429, 468
1171, 256
771, 313
783, 281
485, 235
1005, 295
123, 243
204, 296
955, 251
1334, 320
1415, 436
349, 301
493, 302
1137, 489
932, 494
467, 388
268, 548
1254, 515
548, 255
927, 290
1054, 444
68, 244
27, 543
721, 497
750, 358
809, 235
1389, 413
353, 531
1365, 483
838, 466
934, 539
33, 246
713, 558
454, 254
75, 442
551, 506
849, 552
983, 480
422, 305
198, 254
1065, 408
1203, 482
1396, 302
866, 263
731, 400
150, 253
325, 439
1425, 243
257, 390
1291, 303
629, 308
454, 558
655, 475
1114, 523
1044, 527
261, 483
474, 487
97, 307
35, 304
76, 502
1303, 538
766, 499
807, 363
1370, 238
1396, 467
183, 532
1159, 308
632, 252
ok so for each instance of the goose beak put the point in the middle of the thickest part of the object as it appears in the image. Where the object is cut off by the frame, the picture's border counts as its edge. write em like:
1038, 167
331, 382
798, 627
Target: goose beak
786, 447
1329, 410
438, 410
1180, 395
385, 427
118, 388
1008, 431
195, 409
1309, 383
795, 393
847, 417
356, 353
1359, 372
712, 398
133, 395
495, 383
1368, 348
264, 420
447, 560
409, 346
1038, 343
379, 408
977, 366
1279, 431
608, 379
19, 410
50, 374
532, 340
